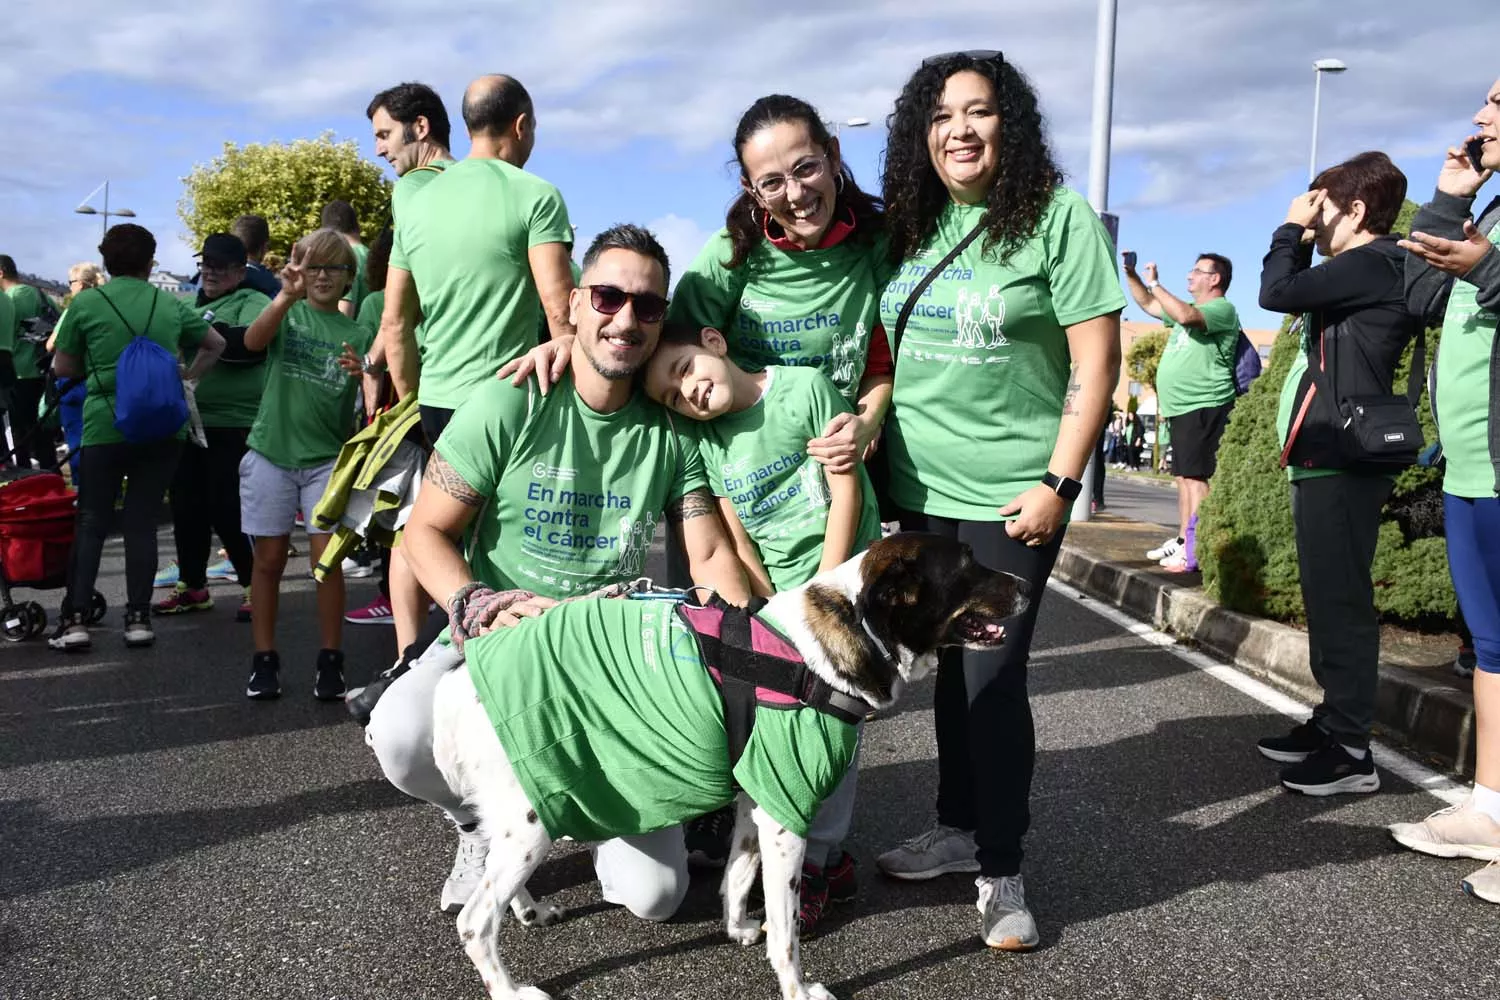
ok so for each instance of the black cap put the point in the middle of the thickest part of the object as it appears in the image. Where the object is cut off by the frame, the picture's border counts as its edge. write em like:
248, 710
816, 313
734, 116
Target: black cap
222, 248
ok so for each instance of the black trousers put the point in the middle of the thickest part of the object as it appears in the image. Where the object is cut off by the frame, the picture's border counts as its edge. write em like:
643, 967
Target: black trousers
1336, 520
206, 501
102, 471
31, 441
985, 736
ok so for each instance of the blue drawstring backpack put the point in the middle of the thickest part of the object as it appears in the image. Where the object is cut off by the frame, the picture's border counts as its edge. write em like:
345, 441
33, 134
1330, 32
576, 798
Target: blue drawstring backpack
149, 400
1246, 364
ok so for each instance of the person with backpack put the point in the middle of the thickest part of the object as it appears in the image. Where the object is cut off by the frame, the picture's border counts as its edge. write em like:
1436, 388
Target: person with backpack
1195, 384
123, 340
35, 316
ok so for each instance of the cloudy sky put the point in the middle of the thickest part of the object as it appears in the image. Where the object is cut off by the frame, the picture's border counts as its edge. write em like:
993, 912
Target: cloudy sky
637, 102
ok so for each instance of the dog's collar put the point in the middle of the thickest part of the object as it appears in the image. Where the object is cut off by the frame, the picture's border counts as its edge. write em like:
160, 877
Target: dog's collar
880, 647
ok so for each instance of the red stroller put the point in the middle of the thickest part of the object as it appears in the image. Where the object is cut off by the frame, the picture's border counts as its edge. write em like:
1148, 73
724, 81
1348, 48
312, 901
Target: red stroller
37, 512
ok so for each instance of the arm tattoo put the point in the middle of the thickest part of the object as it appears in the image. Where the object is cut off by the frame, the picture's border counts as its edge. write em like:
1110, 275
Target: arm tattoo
446, 478
690, 505
1070, 399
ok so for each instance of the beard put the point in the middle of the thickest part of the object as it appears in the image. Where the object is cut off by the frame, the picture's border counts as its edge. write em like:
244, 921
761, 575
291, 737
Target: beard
614, 371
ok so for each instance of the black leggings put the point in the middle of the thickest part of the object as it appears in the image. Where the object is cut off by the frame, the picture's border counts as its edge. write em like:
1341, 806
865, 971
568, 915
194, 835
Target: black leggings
102, 470
985, 736
31, 440
206, 501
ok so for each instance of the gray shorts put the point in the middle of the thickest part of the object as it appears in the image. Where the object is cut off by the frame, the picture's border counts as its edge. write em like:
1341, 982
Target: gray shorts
271, 496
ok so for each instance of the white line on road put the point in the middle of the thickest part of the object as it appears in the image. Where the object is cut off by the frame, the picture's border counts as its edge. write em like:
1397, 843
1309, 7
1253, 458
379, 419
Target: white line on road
1391, 760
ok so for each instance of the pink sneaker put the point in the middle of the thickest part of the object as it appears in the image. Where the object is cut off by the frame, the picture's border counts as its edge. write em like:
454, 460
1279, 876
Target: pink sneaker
377, 612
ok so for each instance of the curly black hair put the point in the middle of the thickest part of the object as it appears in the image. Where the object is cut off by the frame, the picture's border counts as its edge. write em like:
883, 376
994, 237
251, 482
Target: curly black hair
1023, 188
745, 231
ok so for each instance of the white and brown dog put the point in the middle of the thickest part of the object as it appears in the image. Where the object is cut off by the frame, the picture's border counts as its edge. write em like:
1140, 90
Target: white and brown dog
866, 628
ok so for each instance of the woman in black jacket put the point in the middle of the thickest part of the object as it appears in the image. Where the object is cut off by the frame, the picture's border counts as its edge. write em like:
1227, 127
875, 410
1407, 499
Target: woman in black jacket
1355, 327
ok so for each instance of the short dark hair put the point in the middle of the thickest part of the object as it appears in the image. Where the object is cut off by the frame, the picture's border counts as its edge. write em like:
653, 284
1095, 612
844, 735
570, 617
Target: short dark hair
676, 331
339, 214
7, 266
1222, 268
494, 108
1371, 178
128, 250
628, 236
254, 232
406, 102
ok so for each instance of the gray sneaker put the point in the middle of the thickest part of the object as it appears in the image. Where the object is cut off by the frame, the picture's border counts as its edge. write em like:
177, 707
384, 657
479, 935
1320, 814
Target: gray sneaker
468, 869
1485, 883
1006, 923
1459, 831
938, 851
72, 635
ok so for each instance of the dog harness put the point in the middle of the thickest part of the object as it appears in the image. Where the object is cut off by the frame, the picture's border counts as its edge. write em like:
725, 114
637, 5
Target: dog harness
753, 666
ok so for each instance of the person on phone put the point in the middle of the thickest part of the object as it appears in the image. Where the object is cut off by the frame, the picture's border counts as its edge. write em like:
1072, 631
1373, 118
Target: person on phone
1453, 276
1357, 326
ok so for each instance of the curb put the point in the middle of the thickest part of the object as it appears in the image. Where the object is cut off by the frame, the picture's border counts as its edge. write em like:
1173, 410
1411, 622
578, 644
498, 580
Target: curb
1433, 718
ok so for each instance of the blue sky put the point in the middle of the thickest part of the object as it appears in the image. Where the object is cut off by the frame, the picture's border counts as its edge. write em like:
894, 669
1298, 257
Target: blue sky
636, 104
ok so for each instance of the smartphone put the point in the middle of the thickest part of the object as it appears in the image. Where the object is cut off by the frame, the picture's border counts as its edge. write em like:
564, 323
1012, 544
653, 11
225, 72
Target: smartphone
1129, 256
1475, 149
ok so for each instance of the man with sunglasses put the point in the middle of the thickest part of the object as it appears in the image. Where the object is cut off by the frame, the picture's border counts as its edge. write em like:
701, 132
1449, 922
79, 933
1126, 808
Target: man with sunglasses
531, 499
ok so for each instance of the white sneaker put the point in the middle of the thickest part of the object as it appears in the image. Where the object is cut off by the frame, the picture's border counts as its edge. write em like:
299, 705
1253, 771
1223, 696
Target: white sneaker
355, 570
468, 870
1166, 551
72, 636
1006, 923
138, 631
938, 851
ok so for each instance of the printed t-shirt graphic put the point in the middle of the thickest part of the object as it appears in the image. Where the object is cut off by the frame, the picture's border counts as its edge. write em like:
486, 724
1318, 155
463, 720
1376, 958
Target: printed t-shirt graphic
983, 363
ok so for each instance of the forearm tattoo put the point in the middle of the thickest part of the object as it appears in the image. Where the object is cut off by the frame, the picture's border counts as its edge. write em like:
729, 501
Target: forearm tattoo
446, 478
1070, 399
698, 503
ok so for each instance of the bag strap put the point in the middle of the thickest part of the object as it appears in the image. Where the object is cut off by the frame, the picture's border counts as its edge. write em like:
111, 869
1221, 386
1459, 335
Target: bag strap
88, 355
927, 279
1414, 375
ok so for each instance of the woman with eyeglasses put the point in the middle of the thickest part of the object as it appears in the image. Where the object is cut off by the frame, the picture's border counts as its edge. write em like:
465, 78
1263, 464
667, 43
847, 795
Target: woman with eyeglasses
1004, 317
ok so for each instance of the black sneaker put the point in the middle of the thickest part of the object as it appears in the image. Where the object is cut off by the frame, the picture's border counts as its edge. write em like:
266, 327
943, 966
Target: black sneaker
330, 683
1332, 770
361, 701
265, 681
707, 838
1296, 746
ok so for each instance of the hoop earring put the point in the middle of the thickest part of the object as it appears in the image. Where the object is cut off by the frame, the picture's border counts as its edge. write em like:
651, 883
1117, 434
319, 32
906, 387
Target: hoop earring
838, 183
755, 218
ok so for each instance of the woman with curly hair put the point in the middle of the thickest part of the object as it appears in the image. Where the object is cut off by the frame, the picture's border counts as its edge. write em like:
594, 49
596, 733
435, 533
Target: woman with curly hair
1005, 323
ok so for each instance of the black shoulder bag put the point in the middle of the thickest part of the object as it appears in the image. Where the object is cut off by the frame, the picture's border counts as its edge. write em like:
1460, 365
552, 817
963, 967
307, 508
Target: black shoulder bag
1377, 431
878, 467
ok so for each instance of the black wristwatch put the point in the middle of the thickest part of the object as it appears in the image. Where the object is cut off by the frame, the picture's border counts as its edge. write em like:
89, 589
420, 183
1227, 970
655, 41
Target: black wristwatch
1064, 487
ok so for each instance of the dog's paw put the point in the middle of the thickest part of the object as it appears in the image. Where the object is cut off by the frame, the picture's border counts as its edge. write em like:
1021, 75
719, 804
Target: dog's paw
532, 993
541, 914
817, 991
745, 932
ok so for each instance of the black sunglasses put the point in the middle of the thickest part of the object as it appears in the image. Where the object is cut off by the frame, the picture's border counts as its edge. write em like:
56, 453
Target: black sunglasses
978, 55
607, 299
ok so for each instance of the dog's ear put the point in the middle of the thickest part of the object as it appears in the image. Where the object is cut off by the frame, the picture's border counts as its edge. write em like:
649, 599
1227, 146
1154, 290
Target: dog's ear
834, 620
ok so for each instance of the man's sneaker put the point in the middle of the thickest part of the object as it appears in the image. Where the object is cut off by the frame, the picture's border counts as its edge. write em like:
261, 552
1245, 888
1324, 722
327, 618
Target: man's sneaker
377, 612
708, 838
222, 571
138, 631
356, 570
1332, 770
1005, 921
1459, 831
71, 635
330, 683
242, 614
939, 851
468, 869
1296, 746
184, 600
361, 701
1464, 665
1166, 550
265, 676
167, 576
1485, 883
834, 883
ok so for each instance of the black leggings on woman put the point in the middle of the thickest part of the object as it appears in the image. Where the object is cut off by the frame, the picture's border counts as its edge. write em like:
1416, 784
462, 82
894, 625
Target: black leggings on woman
985, 736
103, 469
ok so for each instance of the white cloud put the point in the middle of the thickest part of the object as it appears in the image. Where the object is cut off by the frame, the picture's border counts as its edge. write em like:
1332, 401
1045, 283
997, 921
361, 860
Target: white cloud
682, 238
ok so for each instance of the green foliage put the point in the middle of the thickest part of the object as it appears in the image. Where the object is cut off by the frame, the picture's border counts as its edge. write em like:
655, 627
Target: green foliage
288, 184
1144, 355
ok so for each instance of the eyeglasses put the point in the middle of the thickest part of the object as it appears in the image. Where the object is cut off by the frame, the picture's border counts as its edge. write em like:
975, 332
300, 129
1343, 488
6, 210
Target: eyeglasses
978, 55
804, 173
607, 299
327, 268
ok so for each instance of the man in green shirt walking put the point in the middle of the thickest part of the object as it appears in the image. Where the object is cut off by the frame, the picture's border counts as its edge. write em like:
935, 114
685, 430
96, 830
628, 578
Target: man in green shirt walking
29, 440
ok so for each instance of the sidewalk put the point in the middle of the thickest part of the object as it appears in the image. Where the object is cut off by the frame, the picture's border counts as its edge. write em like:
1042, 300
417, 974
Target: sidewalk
1420, 701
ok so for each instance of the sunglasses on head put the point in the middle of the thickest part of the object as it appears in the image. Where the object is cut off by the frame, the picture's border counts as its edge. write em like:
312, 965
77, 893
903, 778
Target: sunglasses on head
607, 299
978, 55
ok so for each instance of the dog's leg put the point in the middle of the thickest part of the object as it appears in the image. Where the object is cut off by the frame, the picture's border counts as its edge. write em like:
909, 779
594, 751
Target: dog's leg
512, 860
532, 912
781, 853
739, 874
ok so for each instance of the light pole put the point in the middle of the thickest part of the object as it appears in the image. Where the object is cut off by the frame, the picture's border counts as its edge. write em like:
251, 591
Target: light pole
86, 209
1319, 68
839, 126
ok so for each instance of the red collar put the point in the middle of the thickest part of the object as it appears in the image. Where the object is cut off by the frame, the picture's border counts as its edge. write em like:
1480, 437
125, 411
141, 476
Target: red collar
837, 232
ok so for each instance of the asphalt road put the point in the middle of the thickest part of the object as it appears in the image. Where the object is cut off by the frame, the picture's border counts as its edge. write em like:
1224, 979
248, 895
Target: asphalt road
160, 836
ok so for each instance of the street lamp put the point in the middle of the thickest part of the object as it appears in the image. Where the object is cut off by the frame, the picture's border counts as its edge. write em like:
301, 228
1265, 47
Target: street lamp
1319, 68
838, 126
87, 209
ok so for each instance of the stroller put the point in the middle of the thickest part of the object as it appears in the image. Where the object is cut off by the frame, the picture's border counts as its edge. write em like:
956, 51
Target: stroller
36, 540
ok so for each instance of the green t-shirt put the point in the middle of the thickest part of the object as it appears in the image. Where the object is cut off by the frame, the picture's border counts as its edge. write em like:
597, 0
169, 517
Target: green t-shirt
1463, 391
96, 336
1287, 403
7, 324
984, 361
615, 728
574, 496
307, 412
758, 459
361, 286
813, 308
413, 181
28, 305
1197, 366
369, 312
229, 394
465, 240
